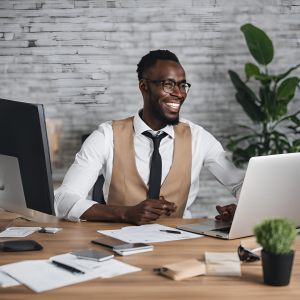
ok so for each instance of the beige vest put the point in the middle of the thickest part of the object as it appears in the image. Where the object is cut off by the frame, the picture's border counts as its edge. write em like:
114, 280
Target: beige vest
128, 188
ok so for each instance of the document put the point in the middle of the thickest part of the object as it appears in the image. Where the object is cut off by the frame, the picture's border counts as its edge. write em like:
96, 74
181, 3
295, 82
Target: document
149, 233
18, 232
222, 264
7, 281
42, 275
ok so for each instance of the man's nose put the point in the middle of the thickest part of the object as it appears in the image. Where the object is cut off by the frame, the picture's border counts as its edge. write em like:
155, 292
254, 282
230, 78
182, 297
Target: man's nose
176, 92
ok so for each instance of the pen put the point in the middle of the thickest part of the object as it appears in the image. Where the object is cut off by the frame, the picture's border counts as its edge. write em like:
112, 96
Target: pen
171, 231
66, 267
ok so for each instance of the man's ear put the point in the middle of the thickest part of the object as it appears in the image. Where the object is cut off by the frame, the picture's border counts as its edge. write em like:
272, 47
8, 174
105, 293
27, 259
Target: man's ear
143, 87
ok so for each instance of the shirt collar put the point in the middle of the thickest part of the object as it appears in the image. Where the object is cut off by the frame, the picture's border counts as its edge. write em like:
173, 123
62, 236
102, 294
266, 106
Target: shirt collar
140, 126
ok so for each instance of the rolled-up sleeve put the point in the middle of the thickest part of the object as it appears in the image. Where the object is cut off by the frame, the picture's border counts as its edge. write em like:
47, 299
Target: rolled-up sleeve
71, 198
217, 162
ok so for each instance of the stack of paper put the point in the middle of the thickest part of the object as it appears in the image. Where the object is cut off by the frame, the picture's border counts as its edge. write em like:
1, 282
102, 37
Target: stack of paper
43, 275
18, 232
7, 281
131, 251
149, 233
222, 264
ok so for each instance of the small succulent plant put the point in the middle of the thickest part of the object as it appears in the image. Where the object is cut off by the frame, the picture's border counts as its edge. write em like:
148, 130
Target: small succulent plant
276, 235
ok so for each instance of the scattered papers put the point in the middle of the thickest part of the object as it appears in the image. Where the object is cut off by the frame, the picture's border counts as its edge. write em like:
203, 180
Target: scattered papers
7, 281
149, 233
222, 264
18, 232
42, 275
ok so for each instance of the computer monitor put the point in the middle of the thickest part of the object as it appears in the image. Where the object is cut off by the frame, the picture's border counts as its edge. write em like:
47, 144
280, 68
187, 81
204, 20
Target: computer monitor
25, 168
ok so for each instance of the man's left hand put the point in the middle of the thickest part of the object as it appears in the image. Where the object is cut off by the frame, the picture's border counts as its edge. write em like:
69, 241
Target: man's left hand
226, 213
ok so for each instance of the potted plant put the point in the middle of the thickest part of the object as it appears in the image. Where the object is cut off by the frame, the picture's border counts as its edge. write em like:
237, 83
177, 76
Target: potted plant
276, 236
267, 108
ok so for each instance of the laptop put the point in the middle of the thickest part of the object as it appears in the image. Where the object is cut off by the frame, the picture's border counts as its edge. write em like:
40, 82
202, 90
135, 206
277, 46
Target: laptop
271, 189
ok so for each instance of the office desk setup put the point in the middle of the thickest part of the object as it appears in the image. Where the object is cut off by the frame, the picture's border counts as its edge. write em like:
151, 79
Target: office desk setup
146, 284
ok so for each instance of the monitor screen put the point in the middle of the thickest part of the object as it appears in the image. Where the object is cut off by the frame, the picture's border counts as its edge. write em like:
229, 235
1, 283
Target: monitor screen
23, 136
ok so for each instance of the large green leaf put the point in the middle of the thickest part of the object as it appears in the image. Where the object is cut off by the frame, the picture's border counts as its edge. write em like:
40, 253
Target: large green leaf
241, 86
295, 120
269, 103
263, 77
251, 70
259, 44
290, 117
250, 107
287, 88
232, 145
281, 76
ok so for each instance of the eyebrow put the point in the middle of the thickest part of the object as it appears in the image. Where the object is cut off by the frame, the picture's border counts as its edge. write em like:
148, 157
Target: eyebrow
181, 81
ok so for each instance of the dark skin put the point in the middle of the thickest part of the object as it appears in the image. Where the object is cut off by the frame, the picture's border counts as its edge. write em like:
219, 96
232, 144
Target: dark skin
226, 213
150, 210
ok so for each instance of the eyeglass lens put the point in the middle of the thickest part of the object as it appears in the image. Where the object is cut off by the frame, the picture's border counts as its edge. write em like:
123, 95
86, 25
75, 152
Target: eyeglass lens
170, 85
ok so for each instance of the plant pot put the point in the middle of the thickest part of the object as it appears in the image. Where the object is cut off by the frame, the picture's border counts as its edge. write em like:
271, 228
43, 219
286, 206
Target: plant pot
277, 268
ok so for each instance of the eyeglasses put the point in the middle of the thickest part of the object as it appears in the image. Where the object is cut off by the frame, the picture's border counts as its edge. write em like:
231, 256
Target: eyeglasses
169, 85
247, 255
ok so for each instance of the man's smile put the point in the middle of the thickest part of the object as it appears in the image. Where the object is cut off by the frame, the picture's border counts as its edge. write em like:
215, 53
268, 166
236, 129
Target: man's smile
172, 105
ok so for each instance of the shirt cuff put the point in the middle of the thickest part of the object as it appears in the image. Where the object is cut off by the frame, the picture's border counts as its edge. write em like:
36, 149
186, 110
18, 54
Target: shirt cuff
79, 208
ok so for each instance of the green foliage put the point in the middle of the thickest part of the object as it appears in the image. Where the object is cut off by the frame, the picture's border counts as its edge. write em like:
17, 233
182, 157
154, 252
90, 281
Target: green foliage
268, 108
276, 235
259, 44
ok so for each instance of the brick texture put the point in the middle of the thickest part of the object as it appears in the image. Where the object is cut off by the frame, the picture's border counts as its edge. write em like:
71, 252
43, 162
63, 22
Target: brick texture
78, 58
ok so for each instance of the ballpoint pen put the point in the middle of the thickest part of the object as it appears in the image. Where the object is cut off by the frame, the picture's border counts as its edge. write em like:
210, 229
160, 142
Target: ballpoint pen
66, 267
171, 231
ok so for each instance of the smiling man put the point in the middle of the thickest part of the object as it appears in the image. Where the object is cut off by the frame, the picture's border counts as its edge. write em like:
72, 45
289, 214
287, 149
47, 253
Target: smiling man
151, 162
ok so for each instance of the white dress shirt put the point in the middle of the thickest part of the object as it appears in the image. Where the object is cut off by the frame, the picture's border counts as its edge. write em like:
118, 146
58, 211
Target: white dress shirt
96, 157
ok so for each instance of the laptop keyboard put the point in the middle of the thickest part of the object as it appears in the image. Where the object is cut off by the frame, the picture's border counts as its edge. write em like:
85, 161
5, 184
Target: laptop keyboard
223, 230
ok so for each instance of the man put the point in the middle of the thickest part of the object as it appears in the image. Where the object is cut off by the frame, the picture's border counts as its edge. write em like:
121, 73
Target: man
143, 184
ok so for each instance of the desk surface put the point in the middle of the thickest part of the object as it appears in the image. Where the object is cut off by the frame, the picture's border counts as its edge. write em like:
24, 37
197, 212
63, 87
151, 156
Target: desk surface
146, 284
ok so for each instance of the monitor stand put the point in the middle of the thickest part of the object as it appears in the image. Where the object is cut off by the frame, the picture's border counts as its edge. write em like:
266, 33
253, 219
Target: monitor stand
12, 198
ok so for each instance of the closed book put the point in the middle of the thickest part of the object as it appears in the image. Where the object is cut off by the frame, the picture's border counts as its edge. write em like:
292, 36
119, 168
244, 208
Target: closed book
184, 269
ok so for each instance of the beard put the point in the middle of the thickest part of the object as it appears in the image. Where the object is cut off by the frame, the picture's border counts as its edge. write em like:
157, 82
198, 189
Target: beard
158, 114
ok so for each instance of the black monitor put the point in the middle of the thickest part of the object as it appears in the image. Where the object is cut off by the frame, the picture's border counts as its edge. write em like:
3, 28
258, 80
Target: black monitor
24, 158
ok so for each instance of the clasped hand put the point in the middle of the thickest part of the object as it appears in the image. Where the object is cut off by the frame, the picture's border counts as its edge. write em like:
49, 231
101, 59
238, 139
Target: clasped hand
226, 213
150, 210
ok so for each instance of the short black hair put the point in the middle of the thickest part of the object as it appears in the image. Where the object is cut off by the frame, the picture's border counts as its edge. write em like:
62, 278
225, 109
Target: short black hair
149, 60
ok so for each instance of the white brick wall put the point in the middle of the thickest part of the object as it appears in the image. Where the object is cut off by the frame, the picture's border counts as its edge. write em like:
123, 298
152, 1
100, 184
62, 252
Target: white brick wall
63, 52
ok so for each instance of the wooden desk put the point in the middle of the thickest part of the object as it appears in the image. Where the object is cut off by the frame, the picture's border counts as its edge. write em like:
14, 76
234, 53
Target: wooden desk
146, 284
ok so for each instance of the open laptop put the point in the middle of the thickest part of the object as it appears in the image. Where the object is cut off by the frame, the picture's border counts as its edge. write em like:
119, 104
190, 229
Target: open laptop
271, 189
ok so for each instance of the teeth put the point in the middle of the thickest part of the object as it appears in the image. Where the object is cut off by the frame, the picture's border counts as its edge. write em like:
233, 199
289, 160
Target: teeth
172, 105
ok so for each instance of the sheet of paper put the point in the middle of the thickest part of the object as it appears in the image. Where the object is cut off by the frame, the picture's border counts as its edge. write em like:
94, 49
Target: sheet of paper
18, 232
216, 257
149, 233
7, 281
42, 275
222, 264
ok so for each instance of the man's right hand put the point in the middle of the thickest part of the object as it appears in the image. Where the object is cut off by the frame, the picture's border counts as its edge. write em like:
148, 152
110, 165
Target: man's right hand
149, 210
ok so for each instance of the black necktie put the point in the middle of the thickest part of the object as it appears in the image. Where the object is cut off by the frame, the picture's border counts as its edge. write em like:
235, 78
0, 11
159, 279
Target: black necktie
155, 172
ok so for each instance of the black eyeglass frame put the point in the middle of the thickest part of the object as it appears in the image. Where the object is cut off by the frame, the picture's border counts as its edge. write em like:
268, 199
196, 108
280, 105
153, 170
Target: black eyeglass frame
247, 255
176, 83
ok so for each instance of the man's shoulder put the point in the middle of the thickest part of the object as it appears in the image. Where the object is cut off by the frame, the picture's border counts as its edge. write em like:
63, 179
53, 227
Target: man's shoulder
105, 128
195, 128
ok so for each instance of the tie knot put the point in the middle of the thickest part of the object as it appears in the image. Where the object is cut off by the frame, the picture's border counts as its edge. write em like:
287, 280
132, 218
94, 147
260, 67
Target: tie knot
156, 139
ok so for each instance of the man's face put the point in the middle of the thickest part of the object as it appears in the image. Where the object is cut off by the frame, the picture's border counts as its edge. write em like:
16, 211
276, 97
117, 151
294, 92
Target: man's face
165, 106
